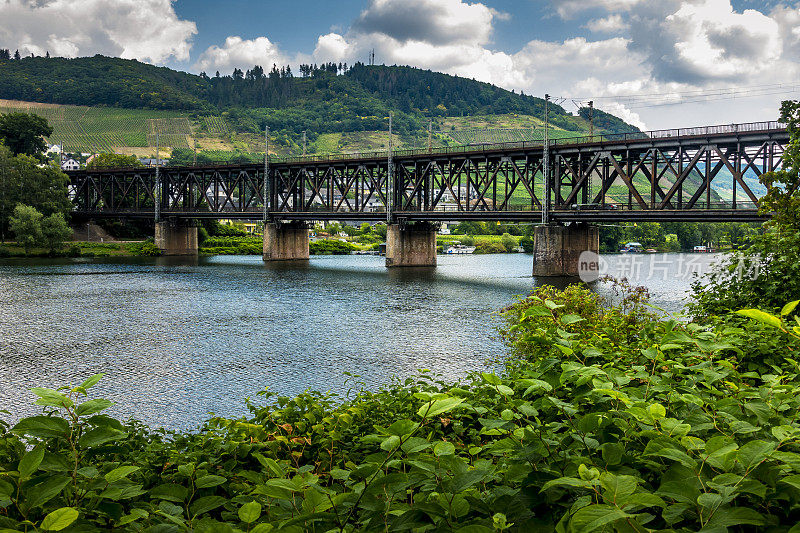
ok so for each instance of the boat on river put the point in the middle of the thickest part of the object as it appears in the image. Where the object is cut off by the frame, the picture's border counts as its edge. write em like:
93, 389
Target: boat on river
460, 249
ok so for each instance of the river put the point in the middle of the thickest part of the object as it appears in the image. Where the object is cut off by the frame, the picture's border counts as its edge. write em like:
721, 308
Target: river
178, 340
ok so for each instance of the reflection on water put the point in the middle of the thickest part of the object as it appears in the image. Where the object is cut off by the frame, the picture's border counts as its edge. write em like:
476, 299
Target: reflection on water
181, 338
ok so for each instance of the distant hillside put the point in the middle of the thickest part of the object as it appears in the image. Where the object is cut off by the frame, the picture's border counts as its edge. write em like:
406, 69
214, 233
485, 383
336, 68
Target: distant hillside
323, 99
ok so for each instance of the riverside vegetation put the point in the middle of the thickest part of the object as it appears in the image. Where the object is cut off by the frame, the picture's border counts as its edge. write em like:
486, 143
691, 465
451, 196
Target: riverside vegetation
600, 418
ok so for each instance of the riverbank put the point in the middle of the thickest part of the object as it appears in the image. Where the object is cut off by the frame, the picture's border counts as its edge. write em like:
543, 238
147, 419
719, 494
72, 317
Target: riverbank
81, 249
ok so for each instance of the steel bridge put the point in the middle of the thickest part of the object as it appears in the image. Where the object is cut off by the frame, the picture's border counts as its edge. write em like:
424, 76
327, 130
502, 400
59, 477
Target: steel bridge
693, 174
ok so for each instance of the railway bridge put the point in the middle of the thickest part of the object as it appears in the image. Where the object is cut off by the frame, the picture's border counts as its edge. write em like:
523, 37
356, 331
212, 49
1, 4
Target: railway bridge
567, 185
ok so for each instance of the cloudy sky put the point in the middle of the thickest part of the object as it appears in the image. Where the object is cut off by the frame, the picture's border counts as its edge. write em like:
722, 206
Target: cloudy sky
724, 60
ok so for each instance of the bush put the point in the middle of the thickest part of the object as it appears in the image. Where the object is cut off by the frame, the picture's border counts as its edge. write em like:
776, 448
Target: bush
145, 248
508, 242
330, 247
527, 244
467, 240
489, 247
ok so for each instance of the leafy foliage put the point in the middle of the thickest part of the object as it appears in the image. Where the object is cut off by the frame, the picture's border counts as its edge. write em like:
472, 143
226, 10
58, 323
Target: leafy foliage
113, 161
24, 182
768, 271
23, 133
604, 419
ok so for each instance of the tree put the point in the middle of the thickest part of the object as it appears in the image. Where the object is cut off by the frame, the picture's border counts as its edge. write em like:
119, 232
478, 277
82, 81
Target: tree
114, 161
23, 132
26, 224
508, 242
55, 231
767, 274
16, 55
23, 181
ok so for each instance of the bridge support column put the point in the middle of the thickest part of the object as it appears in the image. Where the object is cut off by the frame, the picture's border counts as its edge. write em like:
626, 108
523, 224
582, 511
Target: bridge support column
176, 238
411, 245
285, 242
557, 249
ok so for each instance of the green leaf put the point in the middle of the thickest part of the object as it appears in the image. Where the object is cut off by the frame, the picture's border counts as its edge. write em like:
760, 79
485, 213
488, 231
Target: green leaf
262, 528
250, 512
444, 448
270, 464
761, 316
491, 379
208, 481
567, 482
93, 406
437, 407
170, 492
92, 381
98, 436
474, 528
402, 427
617, 486
30, 462
42, 493
536, 310
571, 319
42, 426
134, 515
415, 444
390, 443
206, 504
120, 473
51, 397
505, 390
753, 452
59, 519
788, 308
656, 411
735, 516
594, 517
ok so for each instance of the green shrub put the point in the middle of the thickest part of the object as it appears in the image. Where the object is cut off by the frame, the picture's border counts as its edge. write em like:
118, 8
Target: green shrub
330, 247
145, 248
489, 247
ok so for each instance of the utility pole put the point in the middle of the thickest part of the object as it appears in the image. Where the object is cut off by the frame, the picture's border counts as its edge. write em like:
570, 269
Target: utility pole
389, 176
304, 142
591, 118
157, 192
430, 133
546, 162
266, 177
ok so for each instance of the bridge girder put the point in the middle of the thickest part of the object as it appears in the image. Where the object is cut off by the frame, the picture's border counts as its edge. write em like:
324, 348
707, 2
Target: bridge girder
637, 178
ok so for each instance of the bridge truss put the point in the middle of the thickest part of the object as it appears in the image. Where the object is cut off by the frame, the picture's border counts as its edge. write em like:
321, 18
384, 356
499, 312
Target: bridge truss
701, 174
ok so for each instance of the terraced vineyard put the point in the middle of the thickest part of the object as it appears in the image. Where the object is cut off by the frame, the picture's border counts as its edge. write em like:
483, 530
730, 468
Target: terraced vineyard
105, 129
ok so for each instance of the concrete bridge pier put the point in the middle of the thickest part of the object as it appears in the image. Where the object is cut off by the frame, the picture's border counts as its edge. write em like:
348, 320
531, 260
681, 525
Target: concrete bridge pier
175, 237
285, 241
411, 245
557, 249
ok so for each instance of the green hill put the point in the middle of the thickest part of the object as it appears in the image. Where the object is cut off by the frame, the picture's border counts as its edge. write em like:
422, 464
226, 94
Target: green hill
110, 104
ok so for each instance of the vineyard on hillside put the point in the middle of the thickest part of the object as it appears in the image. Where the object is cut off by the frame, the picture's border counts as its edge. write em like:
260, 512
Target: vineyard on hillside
106, 129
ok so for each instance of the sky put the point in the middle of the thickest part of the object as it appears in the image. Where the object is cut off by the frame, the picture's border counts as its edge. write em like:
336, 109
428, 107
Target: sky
656, 63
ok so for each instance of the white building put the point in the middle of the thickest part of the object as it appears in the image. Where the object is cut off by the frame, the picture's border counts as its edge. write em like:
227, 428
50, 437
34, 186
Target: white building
70, 164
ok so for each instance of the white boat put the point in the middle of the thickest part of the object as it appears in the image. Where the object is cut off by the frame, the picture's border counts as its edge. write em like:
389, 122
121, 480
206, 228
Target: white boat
460, 249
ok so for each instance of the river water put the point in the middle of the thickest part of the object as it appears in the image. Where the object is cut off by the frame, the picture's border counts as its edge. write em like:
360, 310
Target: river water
178, 340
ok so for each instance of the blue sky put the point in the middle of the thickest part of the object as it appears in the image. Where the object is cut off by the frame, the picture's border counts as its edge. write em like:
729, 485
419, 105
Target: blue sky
656, 63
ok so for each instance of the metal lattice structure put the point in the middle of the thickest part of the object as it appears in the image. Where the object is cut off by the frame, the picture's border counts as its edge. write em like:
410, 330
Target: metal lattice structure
688, 174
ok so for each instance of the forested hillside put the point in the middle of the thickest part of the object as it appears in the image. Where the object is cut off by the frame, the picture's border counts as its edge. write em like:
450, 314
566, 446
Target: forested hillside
321, 98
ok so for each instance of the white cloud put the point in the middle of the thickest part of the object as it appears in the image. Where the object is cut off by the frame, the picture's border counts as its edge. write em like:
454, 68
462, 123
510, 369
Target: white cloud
610, 24
438, 22
569, 8
148, 30
241, 53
